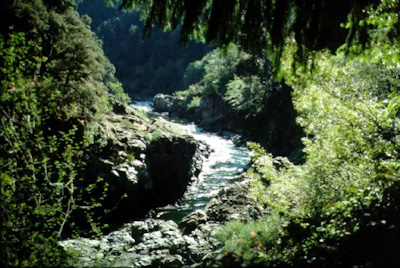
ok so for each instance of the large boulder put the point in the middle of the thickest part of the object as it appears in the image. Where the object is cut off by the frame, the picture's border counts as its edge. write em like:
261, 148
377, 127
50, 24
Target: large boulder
163, 103
176, 106
192, 221
234, 203
144, 163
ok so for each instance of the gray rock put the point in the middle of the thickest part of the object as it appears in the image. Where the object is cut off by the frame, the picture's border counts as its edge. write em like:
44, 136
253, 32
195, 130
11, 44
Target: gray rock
131, 154
162, 103
192, 221
149, 243
161, 243
234, 203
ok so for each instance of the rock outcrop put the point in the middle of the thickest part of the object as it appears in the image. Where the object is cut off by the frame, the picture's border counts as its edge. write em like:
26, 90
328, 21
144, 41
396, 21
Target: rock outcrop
143, 163
175, 106
234, 203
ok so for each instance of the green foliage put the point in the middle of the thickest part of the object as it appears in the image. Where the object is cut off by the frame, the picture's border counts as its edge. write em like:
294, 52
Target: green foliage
194, 103
194, 73
350, 112
75, 59
274, 182
236, 91
346, 192
242, 83
192, 90
210, 75
156, 136
250, 240
55, 84
114, 86
238, 79
381, 27
248, 94
38, 165
219, 68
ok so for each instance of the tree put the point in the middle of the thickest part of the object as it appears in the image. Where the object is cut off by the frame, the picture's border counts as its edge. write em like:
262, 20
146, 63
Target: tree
54, 84
335, 208
39, 161
257, 24
74, 55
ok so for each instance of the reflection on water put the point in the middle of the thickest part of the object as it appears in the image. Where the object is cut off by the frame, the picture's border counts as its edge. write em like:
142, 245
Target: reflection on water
224, 165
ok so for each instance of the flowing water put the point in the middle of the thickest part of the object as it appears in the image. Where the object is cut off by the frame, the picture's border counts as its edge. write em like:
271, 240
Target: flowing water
223, 166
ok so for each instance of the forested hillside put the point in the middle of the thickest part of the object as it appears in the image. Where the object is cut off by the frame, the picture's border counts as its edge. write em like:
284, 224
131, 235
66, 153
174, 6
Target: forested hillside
55, 85
145, 66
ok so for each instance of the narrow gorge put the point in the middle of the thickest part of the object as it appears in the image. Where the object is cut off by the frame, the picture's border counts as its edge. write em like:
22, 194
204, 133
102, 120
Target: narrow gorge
182, 232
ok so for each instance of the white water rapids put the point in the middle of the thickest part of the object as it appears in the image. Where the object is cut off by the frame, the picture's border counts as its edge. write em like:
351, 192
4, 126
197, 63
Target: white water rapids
223, 166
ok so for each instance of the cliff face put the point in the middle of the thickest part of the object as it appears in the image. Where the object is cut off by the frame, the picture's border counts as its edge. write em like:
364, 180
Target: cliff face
144, 163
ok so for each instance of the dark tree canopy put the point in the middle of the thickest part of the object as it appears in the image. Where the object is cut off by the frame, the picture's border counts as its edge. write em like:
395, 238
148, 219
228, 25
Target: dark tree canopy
259, 24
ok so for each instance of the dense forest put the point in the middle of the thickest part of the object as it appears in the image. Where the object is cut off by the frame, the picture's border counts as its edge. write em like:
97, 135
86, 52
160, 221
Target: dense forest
146, 66
312, 88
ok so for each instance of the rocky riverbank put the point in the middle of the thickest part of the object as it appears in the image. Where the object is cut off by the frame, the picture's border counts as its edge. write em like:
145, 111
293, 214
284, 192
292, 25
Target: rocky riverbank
160, 243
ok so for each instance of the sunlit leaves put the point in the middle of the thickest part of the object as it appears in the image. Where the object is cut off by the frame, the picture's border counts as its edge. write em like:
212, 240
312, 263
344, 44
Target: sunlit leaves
40, 157
349, 108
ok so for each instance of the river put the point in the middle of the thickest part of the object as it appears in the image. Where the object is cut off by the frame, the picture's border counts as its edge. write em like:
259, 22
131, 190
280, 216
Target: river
223, 166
